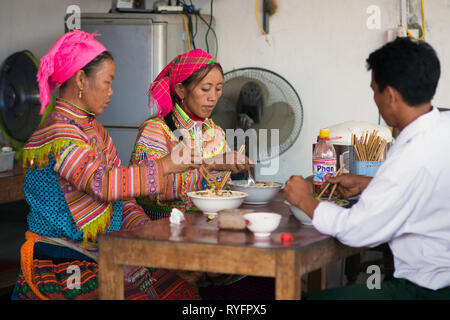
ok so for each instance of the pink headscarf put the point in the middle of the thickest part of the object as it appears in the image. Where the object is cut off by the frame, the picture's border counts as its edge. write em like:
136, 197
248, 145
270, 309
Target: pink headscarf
70, 53
181, 68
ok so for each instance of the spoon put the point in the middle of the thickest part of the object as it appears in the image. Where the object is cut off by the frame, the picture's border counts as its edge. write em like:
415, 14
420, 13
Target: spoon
250, 180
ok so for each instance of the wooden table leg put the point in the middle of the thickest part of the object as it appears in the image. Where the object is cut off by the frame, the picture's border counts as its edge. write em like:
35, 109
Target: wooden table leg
287, 276
110, 275
317, 280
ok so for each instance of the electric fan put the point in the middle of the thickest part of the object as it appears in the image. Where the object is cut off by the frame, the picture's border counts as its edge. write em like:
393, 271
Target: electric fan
256, 98
19, 99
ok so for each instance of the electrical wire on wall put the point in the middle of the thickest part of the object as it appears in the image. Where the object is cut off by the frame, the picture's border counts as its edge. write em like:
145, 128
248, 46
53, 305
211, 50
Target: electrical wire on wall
257, 22
423, 25
188, 32
191, 35
209, 25
215, 36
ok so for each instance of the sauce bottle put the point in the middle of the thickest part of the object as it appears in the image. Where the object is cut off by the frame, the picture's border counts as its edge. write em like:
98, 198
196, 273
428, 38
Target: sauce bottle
324, 160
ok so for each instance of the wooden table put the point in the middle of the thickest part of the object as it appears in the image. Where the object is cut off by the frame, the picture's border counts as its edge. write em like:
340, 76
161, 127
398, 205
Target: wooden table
198, 245
11, 184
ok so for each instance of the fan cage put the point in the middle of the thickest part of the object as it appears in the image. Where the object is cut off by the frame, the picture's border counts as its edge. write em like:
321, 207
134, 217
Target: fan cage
280, 91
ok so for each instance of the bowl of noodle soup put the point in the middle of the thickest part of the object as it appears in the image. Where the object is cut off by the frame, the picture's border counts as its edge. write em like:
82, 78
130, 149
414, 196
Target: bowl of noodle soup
211, 201
304, 218
258, 193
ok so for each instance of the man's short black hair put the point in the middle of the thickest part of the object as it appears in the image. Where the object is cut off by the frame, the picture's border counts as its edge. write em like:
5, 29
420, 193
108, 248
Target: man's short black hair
410, 67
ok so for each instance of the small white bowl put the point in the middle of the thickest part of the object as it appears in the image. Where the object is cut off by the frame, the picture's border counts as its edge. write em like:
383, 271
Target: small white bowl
211, 205
257, 194
262, 223
299, 214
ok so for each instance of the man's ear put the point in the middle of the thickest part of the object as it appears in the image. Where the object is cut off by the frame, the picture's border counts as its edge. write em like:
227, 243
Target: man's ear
393, 97
180, 91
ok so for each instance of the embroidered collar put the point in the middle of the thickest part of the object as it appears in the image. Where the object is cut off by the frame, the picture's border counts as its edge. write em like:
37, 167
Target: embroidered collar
73, 109
184, 121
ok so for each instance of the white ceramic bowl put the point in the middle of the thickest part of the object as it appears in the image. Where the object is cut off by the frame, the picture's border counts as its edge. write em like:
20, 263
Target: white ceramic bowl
256, 194
303, 217
211, 205
299, 214
262, 223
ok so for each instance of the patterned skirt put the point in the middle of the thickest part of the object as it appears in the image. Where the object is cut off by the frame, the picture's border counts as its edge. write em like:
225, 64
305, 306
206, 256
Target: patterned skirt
63, 273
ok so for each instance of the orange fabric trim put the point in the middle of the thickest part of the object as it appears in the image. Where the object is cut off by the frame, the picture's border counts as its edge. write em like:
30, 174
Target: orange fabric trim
26, 262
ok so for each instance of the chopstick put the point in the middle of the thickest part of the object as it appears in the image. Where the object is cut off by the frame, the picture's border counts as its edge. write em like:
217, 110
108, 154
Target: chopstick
369, 147
335, 185
205, 173
227, 175
328, 184
203, 170
380, 152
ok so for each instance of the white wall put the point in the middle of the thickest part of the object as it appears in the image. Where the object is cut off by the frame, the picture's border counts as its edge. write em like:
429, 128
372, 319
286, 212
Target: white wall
319, 46
36, 24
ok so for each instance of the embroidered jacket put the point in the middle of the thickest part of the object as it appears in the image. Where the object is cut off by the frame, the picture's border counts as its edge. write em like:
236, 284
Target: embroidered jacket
74, 183
155, 140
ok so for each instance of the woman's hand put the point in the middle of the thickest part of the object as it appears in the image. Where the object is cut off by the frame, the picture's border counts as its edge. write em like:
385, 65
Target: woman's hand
181, 159
230, 161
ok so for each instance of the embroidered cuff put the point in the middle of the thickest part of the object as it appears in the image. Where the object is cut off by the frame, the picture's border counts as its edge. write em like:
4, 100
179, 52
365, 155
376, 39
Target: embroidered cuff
155, 176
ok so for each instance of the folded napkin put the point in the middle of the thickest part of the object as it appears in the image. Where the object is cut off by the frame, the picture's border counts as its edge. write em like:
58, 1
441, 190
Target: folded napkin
176, 216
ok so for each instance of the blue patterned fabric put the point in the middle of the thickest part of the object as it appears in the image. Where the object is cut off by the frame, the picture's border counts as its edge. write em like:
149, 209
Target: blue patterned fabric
49, 213
205, 184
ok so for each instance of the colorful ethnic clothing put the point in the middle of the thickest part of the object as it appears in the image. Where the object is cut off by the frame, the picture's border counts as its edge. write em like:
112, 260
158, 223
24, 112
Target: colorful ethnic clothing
73, 156
156, 139
61, 273
77, 189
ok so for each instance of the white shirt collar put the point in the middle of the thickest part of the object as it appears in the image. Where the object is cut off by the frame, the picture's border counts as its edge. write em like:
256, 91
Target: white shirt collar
419, 125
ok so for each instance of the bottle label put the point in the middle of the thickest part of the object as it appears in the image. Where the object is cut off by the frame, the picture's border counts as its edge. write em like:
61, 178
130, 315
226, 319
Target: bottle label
323, 168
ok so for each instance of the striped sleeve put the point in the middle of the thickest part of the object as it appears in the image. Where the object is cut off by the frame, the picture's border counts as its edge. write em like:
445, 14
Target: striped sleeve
110, 150
133, 215
154, 142
84, 169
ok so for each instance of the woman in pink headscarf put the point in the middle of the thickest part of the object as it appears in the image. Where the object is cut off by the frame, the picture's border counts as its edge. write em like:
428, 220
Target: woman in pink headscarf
76, 187
182, 98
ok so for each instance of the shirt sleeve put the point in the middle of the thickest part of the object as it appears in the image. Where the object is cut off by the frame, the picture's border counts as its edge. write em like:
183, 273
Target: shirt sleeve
381, 212
86, 171
133, 215
154, 143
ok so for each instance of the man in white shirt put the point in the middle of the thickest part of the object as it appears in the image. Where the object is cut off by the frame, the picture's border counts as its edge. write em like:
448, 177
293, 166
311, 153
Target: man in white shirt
407, 202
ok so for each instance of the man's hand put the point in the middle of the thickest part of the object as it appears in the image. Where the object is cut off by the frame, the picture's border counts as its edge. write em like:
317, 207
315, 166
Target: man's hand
299, 192
349, 185
230, 161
